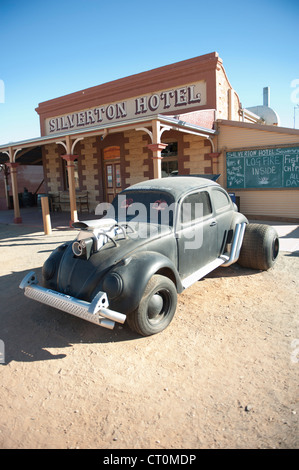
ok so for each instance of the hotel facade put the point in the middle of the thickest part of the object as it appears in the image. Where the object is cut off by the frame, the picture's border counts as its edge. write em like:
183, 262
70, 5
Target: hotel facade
180, 119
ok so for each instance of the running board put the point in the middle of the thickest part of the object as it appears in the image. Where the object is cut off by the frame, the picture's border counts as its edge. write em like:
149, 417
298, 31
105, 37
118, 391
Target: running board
224, 260
202, 272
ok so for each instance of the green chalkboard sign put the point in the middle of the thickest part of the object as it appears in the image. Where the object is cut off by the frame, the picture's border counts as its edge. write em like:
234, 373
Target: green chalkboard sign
263, 168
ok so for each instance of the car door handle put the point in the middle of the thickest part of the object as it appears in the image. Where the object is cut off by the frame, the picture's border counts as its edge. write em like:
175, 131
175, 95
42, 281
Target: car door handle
214, 222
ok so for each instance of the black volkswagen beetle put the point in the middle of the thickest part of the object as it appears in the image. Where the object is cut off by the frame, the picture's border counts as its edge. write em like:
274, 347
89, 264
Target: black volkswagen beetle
156, 239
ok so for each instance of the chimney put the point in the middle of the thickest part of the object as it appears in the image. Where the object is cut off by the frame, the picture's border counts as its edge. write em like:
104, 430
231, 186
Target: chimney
266, 96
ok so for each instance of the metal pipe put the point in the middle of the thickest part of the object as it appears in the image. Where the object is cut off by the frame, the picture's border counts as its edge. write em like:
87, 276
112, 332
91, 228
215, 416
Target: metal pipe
107, 323
112, 315
237, 244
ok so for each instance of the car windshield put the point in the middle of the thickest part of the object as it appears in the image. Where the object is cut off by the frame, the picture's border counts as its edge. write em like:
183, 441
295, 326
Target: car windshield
144, 206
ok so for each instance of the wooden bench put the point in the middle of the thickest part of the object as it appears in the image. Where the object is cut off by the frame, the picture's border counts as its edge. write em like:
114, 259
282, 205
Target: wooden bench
61, 201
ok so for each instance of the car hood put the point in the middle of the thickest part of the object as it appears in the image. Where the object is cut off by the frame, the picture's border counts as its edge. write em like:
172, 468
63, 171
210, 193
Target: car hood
80, 277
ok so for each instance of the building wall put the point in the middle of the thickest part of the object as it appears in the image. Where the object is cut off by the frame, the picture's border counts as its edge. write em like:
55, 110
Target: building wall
282, 204
88, 169
228, 102
194, 157
195, 150
264, 203
234, 135
52, 168
137, 164
202, 68
89, 158
29, 177
222, 95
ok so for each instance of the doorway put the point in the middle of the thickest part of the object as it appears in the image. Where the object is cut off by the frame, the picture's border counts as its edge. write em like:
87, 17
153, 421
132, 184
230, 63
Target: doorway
170, 160
112, 172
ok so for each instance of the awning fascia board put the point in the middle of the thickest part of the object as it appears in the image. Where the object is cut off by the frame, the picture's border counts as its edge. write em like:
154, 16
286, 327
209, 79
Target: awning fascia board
175, 124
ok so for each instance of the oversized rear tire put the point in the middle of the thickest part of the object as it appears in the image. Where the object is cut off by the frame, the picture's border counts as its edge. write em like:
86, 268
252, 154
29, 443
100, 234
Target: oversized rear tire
260, 247
156, 308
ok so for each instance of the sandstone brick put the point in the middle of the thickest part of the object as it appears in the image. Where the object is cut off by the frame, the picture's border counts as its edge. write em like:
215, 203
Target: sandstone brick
135, 156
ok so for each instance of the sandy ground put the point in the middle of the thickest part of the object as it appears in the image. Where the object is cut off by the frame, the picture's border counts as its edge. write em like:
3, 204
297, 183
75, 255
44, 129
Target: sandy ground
223, 375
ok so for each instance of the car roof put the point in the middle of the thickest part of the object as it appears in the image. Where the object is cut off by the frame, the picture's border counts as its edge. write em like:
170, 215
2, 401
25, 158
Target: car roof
175, 185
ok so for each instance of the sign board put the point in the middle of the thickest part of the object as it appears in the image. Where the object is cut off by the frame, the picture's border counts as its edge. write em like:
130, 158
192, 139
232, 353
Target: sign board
263, 168
189, 96
112, 153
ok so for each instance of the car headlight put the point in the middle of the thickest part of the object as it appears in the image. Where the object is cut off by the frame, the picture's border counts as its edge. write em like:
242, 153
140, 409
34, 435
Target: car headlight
113, 285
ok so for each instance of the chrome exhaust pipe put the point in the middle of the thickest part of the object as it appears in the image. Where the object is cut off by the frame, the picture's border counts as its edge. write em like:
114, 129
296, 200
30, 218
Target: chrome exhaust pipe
236, 245
112, 315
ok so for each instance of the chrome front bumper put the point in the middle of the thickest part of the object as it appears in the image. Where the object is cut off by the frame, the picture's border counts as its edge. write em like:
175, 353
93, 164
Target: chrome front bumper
96, 311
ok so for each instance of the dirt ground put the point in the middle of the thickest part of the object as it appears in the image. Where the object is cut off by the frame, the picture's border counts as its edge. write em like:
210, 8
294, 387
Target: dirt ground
224, 374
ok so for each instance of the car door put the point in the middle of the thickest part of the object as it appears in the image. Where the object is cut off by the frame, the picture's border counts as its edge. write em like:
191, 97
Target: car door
196, 232
223, 210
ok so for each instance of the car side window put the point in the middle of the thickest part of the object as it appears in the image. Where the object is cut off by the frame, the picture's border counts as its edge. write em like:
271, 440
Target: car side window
195, 206
221, 200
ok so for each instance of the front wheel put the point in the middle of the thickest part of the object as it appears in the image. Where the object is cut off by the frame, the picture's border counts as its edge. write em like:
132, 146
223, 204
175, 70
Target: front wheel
156, 308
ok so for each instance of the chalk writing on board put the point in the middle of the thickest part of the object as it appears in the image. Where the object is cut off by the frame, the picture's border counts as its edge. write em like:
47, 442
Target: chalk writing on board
235, 172
291, 170
263, 168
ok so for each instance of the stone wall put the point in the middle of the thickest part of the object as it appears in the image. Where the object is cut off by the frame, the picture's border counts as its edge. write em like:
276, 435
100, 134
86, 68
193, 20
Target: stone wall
52, 168
88, 169
195, 150
137, 166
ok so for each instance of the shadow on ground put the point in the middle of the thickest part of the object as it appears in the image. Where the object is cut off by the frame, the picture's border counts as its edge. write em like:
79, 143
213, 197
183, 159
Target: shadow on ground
28, 328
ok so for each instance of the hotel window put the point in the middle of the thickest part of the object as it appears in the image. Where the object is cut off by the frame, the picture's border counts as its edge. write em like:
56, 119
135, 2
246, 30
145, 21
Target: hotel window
65, 175
170, 159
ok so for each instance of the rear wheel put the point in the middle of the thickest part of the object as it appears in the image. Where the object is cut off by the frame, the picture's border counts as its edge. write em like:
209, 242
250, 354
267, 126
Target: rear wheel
260, 247
156, 308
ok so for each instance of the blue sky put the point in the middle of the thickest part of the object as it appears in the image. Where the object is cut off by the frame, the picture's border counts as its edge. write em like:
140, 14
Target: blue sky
49, 49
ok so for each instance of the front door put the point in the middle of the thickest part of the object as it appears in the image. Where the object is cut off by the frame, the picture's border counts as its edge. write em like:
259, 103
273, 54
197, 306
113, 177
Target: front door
113, 180
196, 233
112, 172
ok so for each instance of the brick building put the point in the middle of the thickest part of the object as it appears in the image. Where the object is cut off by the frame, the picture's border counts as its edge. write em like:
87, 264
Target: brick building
183, 118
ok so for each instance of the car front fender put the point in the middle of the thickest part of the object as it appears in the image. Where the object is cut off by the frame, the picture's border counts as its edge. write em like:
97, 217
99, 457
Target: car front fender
135, 272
